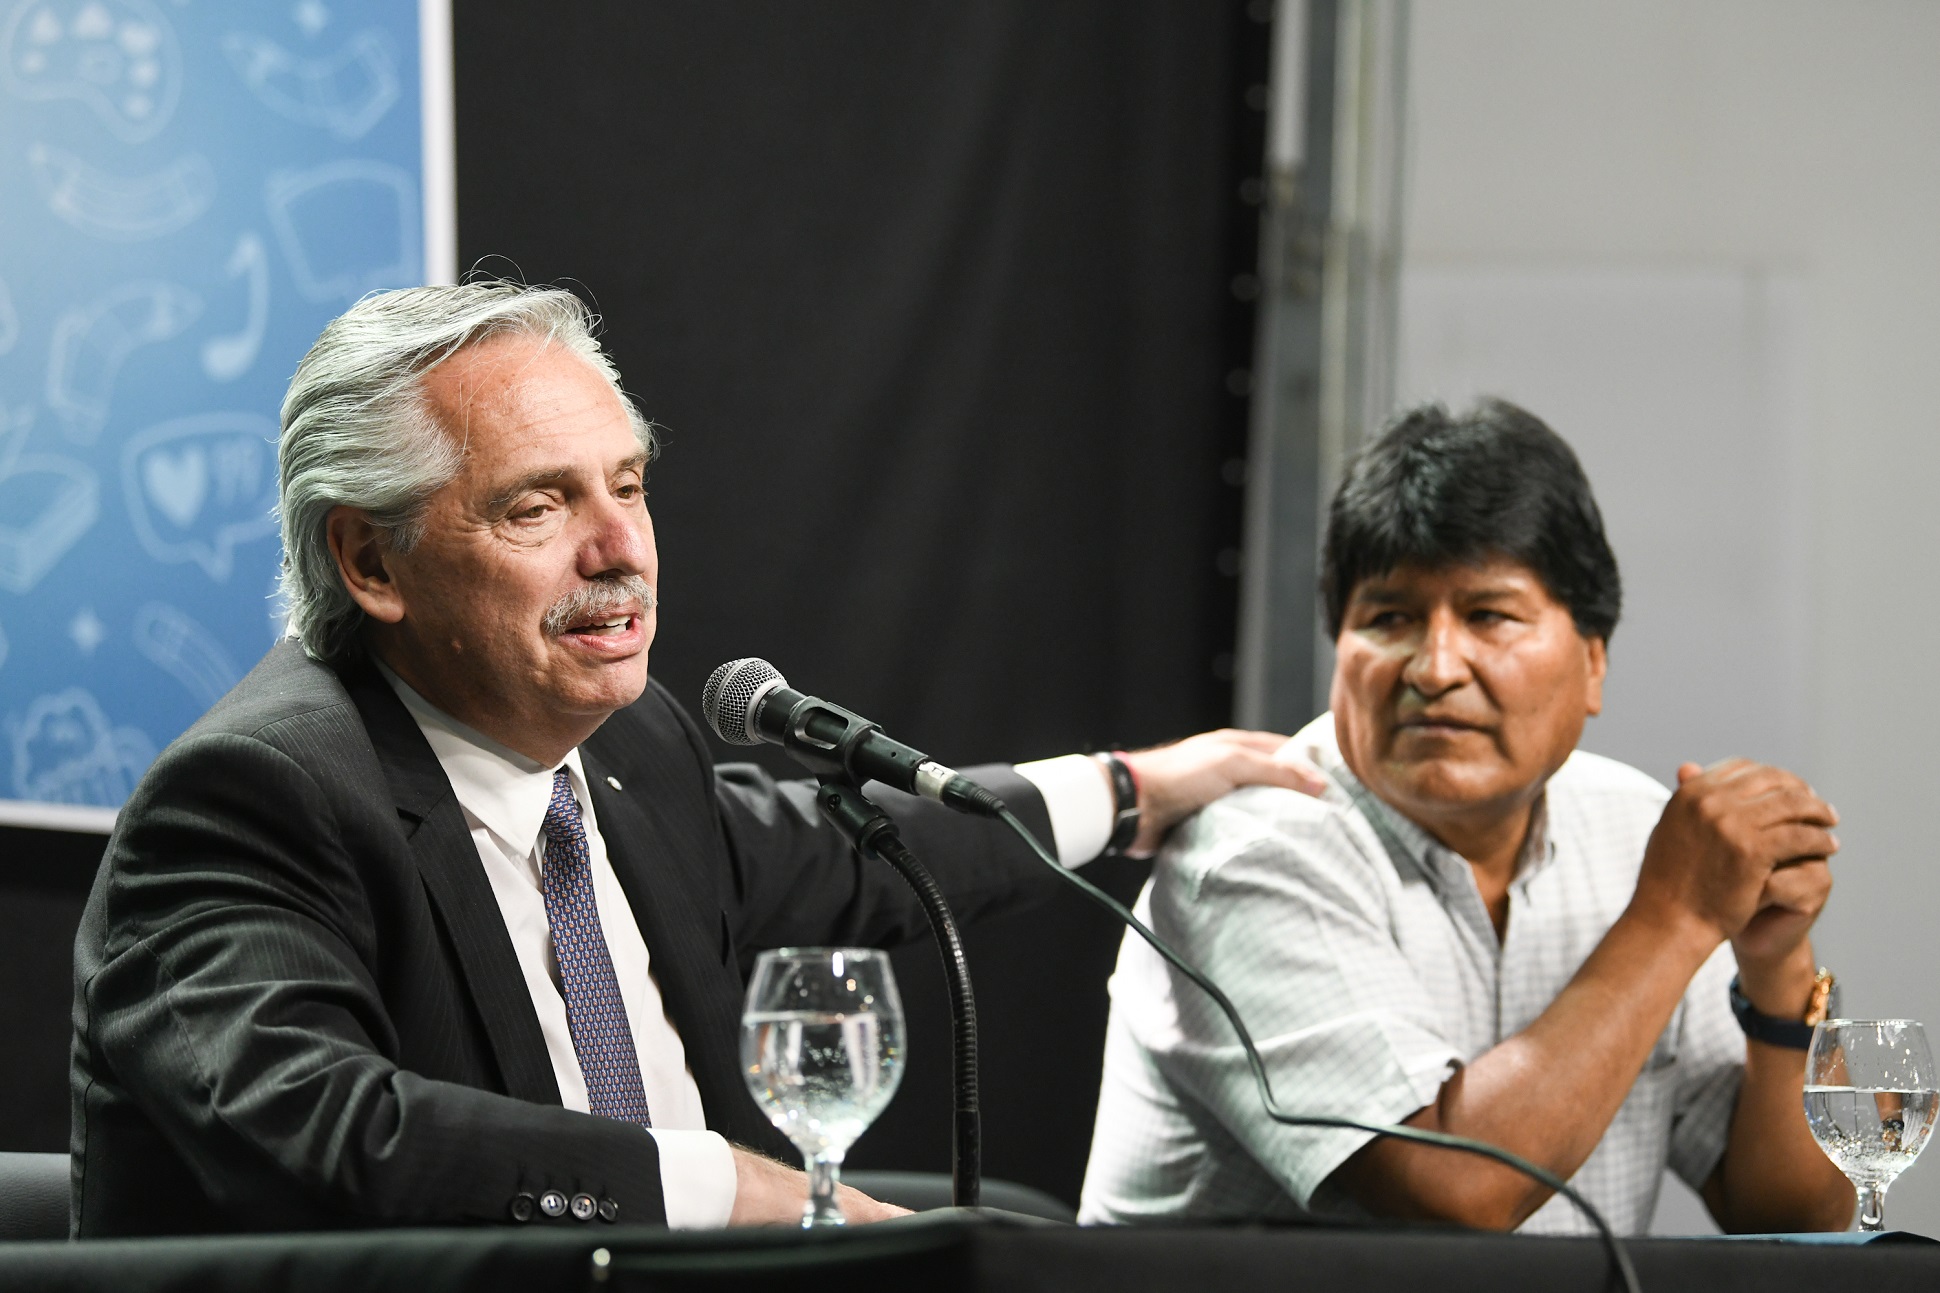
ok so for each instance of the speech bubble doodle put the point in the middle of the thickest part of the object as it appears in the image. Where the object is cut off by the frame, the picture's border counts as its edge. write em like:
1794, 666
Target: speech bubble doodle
119, 57
346, 227
46, 505
66, 752
346, 95
92, 341
123, 209
185, 651
197, 487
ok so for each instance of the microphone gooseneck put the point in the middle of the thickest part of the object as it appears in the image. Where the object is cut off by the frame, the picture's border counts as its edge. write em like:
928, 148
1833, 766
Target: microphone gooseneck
747, 702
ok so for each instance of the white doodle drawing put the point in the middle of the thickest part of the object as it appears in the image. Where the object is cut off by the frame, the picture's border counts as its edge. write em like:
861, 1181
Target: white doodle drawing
311, 15
9, 320
65, 751
123, 209
346, 227
86, 631
346, 95
185, 651
92, 341
46, 505
119, 57
198, 486
15, 426
227, 357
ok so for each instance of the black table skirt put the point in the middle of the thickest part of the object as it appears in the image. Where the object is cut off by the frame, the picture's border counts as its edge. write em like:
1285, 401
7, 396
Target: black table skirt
947, 1252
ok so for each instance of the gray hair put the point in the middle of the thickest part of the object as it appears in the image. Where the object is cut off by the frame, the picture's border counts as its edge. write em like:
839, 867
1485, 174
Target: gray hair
359, 431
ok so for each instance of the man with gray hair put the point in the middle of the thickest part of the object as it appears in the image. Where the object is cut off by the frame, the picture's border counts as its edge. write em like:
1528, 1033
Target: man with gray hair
441, 915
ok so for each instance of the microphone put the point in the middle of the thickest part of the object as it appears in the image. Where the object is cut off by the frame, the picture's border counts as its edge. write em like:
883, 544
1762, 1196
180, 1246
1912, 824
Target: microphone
747, 701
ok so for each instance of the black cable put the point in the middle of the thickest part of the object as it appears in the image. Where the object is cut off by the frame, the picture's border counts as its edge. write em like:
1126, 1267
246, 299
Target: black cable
1619, 1258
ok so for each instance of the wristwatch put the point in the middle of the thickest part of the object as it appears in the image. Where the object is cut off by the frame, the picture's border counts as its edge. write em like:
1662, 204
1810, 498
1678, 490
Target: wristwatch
1124, 794
1793, 1034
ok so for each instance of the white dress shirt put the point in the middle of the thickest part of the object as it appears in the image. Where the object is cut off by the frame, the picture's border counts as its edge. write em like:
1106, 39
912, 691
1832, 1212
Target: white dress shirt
1363, 960
505, 795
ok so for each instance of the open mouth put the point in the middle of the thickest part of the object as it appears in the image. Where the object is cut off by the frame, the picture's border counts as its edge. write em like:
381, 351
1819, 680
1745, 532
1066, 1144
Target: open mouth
607, 627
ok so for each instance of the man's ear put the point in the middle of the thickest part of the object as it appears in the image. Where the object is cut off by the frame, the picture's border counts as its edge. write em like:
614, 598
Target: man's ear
1599, 666
363, 552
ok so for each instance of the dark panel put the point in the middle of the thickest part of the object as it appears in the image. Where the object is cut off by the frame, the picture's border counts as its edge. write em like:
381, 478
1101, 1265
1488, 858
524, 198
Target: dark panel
44, 879
936, 303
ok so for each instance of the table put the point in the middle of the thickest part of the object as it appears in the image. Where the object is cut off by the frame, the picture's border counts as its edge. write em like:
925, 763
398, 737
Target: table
954, 1252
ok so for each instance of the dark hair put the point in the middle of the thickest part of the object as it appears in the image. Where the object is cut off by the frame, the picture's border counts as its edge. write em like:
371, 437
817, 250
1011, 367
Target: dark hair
1435, 490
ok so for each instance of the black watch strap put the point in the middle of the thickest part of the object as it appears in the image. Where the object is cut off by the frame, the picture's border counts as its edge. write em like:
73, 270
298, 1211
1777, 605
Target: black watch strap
1793, 1034
1124, 793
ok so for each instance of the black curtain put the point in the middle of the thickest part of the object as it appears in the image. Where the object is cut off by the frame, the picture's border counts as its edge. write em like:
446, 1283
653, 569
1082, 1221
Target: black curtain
942, 308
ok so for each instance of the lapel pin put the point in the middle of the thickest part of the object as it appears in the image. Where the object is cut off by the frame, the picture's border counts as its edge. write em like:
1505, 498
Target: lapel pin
613, 782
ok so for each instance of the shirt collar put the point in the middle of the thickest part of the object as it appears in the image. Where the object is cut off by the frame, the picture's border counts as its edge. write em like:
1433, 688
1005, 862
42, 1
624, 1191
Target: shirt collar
1409, 842
507, 792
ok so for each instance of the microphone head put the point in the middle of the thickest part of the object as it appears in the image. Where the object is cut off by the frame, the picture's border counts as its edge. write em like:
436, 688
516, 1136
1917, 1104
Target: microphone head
727, 701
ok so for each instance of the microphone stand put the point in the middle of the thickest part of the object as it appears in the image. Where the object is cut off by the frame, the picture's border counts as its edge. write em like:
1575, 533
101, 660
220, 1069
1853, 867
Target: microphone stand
871, 832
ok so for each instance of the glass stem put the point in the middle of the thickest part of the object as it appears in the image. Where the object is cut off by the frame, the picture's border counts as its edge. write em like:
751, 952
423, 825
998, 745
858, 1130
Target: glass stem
822, 1209
1872, 1208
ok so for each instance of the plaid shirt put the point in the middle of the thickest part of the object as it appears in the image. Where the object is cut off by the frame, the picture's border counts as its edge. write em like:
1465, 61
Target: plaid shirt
1362, 958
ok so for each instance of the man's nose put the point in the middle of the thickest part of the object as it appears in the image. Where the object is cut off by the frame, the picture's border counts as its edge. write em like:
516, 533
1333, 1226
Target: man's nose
618, 540
1440, 663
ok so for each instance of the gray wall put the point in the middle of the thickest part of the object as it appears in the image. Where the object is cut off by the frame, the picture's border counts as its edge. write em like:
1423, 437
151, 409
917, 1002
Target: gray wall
1701, 239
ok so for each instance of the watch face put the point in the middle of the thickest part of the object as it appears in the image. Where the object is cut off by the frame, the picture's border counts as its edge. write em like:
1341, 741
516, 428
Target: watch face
1825, 991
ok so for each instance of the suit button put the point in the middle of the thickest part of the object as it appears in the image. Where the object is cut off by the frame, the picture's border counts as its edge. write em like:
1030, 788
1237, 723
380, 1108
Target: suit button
609, 1210
522, 1205
552, 1203
583, 1207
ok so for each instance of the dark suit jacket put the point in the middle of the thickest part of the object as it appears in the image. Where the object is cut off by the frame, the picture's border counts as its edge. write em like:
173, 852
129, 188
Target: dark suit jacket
297, 1006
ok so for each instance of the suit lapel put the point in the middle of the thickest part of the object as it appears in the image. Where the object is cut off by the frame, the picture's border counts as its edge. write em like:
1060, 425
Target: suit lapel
441, 845
654, 853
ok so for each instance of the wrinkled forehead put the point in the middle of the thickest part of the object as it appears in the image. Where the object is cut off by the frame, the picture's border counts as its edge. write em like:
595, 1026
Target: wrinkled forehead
1487, 574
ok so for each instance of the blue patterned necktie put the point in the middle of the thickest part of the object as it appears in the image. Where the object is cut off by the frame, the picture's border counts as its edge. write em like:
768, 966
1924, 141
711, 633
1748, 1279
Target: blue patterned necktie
594, 1009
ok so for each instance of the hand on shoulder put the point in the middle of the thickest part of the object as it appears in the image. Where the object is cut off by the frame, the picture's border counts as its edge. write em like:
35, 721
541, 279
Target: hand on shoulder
1177, 780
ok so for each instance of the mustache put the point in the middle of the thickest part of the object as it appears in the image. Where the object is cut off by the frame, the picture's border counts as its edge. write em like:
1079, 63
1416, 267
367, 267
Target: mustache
604, 597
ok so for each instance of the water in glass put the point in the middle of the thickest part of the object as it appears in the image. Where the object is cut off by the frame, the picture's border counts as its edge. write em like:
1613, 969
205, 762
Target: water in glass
1870, 1101
822, 1051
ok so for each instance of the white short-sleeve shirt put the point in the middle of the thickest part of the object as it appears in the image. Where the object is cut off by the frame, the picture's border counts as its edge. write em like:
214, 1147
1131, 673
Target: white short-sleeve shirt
1362, 958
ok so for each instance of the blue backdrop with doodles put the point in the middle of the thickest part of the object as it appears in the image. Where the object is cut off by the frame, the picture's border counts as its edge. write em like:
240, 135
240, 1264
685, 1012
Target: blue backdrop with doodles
188, 192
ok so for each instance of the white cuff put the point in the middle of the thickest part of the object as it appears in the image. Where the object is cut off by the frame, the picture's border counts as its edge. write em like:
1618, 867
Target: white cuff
1079, 799
696, 1178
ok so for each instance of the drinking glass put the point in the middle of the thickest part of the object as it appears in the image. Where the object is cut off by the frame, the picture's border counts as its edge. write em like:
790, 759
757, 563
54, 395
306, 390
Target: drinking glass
822, 1051
1869, 1099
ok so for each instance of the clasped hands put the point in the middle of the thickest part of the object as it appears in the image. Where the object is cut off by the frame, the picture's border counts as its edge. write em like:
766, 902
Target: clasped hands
1742, 853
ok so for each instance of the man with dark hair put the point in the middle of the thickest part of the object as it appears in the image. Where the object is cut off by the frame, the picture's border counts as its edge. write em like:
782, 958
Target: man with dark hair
1477, 929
